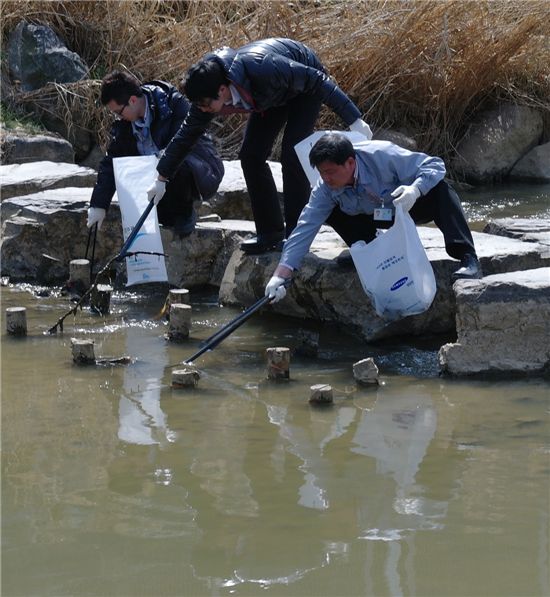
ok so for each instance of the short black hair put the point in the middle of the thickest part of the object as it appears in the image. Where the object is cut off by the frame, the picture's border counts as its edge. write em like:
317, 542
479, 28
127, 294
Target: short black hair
119, 86
331, 147
203, 80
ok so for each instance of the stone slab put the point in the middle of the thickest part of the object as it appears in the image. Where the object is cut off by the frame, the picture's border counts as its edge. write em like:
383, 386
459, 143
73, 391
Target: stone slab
231, 201
23, 179
503, 325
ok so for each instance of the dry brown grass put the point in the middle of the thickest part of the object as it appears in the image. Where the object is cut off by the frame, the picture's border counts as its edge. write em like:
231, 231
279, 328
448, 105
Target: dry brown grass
422, 66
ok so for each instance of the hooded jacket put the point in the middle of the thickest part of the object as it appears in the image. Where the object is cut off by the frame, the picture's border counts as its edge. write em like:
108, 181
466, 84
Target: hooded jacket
169, 109
267, 73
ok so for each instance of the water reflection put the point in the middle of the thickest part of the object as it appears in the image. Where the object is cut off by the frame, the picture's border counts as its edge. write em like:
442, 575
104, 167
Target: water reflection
141, 420
240, 485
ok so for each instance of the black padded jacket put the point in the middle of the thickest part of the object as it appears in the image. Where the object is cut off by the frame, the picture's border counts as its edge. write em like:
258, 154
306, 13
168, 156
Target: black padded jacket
268, 73
169, 109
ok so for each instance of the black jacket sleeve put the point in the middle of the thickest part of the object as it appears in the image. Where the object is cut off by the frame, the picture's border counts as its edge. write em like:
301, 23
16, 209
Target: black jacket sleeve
194, 125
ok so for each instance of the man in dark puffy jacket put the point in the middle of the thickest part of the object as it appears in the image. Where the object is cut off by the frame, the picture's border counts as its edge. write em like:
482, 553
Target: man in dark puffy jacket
279, 83
148, 116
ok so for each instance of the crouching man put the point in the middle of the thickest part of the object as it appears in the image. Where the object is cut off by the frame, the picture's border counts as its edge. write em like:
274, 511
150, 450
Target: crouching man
359, 189
147, 117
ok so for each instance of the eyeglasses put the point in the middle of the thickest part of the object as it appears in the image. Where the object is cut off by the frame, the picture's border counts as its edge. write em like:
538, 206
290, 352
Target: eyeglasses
118, 113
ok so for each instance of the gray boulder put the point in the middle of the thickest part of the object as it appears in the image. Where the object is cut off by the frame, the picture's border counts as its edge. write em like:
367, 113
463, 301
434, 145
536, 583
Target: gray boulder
324, 291
42, 233
534, 165
494, 143
231, 200
36, 57
20, 148
503, 325
396, 137
528, 230
23, 179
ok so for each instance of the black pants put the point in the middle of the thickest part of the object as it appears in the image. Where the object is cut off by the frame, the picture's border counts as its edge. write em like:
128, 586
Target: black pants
177, 202
440, 205
262, 129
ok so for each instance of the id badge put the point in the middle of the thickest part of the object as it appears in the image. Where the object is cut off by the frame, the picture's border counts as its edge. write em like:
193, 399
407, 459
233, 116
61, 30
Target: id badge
383, 214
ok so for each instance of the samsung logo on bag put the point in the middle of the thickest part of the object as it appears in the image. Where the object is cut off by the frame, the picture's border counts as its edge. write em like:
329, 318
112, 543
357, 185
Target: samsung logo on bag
399, 283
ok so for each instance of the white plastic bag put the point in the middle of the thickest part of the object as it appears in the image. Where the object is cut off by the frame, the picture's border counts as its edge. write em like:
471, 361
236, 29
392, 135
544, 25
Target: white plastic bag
133, 176
303, 148
395, 271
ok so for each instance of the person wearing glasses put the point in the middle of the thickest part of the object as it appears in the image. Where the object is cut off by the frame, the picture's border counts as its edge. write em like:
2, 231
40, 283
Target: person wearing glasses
280, 83
147, 116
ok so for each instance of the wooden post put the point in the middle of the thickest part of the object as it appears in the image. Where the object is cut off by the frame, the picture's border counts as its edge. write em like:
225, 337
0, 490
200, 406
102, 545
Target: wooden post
180, 322
16, 321
83, 351
79, 272
186, 377
100, 299
278, 362
366, 372
321, 394
179, 295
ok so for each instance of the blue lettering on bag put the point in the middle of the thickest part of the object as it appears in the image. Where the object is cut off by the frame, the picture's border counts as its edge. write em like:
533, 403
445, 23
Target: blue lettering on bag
399, 283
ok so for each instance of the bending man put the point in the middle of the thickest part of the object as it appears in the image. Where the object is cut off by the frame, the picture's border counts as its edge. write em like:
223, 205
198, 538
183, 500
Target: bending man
279, 83
358, 191
148, 116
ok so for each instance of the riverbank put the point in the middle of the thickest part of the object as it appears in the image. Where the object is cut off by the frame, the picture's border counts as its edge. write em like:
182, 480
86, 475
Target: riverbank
42, 232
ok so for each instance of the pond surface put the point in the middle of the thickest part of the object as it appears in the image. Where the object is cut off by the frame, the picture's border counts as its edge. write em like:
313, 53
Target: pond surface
116, 484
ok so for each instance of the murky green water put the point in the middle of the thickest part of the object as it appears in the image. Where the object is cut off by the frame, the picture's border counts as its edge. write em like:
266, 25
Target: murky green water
115, 484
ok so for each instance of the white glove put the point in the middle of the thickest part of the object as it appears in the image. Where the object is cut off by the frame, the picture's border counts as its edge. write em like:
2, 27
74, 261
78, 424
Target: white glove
95, 214
275, 289
360, 126
406, 196
156, 191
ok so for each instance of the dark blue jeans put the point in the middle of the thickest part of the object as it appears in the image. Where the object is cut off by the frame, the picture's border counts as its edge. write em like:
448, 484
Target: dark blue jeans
299, 115
440, 205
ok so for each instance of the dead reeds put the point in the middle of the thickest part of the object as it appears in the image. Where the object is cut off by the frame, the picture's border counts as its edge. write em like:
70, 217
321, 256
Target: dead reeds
424, 67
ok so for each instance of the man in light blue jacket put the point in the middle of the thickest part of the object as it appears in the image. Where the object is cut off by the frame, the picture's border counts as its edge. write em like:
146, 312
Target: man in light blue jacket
359, 189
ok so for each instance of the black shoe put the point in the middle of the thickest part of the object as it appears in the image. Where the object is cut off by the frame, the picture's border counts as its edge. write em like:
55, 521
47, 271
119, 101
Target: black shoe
470, 268
184, 225
272, 241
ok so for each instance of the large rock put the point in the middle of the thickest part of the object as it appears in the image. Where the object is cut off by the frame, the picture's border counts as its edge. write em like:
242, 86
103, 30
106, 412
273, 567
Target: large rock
231, 200
52, 224
23, 179
37, 56
496, 142
503, 325
20, 148
43, 232
534, 165
528, 230
323, 290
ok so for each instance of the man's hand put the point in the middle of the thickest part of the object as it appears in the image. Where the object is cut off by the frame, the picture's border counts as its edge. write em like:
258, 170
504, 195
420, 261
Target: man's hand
275, 289
156, 191
360, 126
95, 215
406, 196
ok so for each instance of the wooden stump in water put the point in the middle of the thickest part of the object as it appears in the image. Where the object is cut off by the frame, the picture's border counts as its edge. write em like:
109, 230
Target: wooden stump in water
180, 322
321, 394
100, 299
16, 321
83, 351
186, 377
179, 295
79, 272
278, 362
